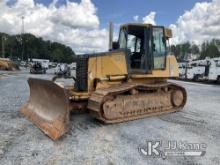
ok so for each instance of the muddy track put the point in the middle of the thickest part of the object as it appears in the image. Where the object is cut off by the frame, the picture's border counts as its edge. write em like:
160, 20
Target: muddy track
135, 101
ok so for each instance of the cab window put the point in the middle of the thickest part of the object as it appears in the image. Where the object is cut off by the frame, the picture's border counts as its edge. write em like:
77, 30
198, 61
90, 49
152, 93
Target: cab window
122, 39
159, 48
134, 43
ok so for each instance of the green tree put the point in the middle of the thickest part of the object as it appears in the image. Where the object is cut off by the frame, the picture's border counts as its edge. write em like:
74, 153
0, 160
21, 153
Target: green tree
182, 51
34, 47
210, 49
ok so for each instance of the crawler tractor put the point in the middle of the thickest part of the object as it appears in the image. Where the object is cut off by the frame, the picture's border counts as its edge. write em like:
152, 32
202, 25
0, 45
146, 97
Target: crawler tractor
126, 83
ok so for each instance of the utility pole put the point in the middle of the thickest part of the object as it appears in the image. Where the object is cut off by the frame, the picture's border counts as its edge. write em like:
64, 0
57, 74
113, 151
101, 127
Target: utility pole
3, 46
22, 37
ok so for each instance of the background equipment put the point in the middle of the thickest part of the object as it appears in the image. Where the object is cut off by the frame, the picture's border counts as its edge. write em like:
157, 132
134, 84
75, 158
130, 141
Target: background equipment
37, 68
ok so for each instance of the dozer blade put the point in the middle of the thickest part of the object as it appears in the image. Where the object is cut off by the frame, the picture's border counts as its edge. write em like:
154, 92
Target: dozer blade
47, 107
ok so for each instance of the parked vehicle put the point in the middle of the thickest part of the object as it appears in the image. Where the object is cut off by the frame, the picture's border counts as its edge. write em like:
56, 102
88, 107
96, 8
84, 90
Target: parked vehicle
196, 70
212, 72
62, 69
52, 64
72, 66
44, 62
201, 70
37, 68
23, 64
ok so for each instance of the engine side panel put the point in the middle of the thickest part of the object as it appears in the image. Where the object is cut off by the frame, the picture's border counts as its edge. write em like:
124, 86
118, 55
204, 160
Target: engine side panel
102, 67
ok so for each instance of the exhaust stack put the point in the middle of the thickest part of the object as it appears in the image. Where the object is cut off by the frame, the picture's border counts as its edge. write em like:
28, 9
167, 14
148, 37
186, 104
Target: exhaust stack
110, 35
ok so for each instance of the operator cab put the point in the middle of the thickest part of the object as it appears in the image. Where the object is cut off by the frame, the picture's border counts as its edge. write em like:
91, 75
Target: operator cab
145, 45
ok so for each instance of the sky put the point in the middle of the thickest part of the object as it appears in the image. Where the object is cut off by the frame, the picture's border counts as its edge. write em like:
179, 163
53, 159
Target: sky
83, 24
122, 11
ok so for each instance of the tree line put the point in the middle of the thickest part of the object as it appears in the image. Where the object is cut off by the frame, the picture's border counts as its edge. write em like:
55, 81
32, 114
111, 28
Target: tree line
29, 46
206, 49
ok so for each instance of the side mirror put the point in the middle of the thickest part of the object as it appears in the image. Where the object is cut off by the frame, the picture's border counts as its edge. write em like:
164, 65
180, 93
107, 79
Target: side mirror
115, 45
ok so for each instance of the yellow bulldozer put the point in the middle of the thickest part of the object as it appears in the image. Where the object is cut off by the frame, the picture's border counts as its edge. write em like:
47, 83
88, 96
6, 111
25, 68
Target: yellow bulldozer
6, 64
128, 82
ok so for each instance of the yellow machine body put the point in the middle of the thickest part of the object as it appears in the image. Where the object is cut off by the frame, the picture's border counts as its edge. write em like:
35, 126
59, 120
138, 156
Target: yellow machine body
120, 85
111, 69
6, 64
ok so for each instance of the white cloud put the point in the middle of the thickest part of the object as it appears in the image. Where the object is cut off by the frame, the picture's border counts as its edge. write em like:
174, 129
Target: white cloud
74, 24
201, 23
76, 15
150, 18
136, 18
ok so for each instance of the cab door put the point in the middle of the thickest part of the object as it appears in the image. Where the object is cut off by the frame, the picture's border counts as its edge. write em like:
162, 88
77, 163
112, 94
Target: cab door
158, 48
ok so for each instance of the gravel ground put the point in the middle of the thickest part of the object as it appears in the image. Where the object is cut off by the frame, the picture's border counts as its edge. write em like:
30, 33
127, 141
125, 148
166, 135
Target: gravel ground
91, 142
